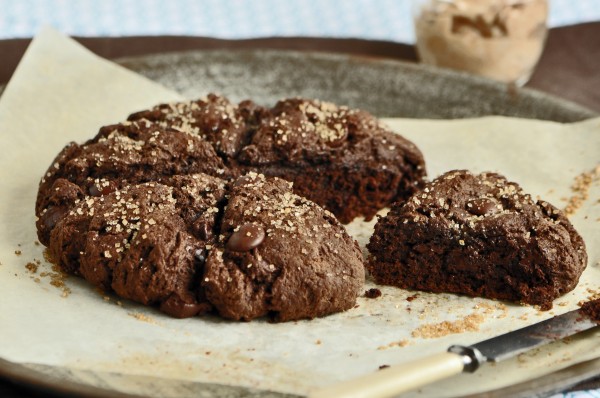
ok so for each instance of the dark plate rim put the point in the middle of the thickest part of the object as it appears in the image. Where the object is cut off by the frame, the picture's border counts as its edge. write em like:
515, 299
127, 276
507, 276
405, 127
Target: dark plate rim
575, 111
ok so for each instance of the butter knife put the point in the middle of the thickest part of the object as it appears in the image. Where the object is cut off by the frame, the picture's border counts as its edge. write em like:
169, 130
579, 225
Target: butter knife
394, 380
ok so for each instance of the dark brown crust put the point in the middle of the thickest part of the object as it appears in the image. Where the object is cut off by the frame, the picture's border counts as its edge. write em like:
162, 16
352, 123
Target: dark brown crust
519, 251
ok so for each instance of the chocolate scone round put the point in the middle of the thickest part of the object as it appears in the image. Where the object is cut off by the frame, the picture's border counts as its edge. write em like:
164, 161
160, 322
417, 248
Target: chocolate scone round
97, 200
478, 235
342, 159
280, 255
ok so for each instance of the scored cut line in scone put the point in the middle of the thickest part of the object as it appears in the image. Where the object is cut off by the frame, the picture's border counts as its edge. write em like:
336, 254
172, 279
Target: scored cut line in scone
343, 159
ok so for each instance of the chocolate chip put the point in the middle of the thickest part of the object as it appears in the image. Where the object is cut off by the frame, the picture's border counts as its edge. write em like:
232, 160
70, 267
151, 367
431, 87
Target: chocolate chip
246, 238
95, 190
372, 293
52, 216
482, 206
178, 308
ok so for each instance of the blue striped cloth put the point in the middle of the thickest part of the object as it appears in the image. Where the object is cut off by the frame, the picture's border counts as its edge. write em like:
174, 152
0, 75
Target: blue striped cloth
234, 19
579, 394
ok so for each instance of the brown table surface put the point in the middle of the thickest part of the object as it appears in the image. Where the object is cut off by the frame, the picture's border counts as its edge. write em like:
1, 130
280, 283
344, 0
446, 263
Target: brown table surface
569, 68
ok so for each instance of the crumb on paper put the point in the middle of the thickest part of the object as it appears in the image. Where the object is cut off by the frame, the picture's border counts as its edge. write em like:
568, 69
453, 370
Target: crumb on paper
504, 310
372, 293
400, 343
521, 358
591, 308
32, 267
18, 252
593, 294
57, 279
143, 317
486, 307
469, 323
411, 298
383, 366
56, 275
581, 190
567, 340
318, 342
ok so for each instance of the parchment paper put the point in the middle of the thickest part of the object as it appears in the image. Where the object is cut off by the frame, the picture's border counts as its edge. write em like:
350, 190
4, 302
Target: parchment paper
61, 92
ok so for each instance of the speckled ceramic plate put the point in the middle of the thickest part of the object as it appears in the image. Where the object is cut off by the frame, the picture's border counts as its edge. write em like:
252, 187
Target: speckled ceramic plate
386, 88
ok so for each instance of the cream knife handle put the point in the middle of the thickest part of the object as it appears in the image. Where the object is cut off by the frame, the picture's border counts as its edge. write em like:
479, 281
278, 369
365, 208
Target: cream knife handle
389, 382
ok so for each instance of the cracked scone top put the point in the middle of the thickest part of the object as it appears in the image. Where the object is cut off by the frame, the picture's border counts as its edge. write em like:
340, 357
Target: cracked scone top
147, 242
478, 235
119, 155
343, 159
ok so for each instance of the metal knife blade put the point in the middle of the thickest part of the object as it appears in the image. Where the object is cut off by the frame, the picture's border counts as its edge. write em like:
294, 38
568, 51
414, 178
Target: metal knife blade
518, 341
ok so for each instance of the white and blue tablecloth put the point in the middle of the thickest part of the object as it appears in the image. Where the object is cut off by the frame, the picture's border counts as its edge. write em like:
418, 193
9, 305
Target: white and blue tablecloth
235, 19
